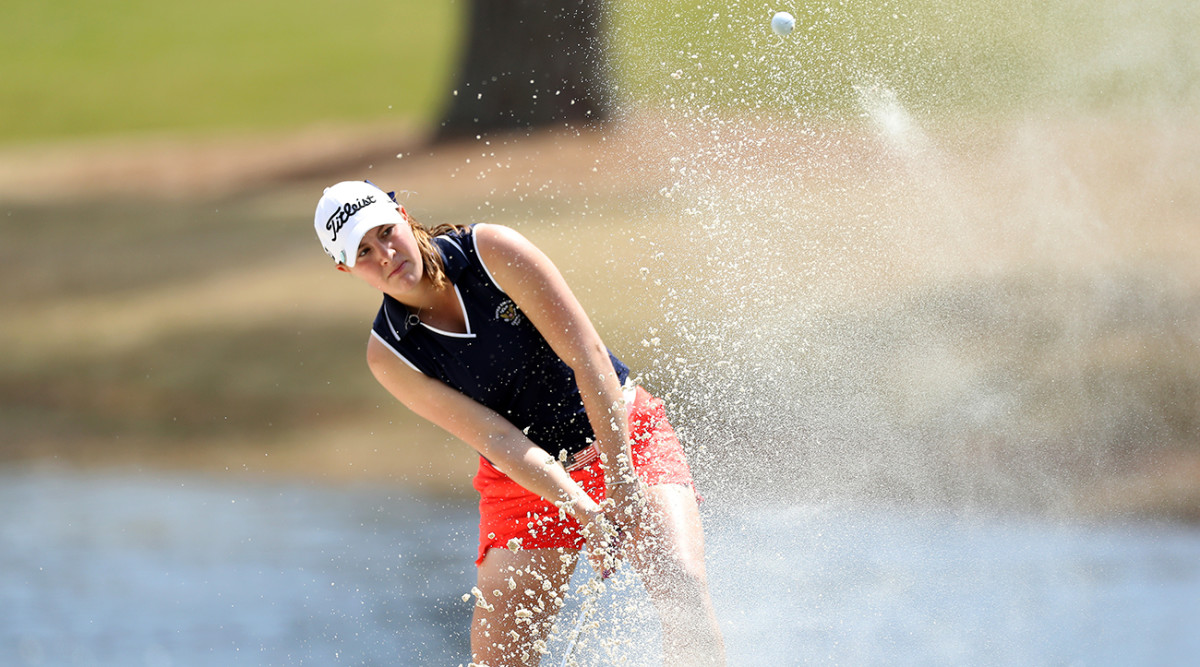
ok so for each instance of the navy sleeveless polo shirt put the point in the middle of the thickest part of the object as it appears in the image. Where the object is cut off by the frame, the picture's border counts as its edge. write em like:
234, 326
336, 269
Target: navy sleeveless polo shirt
502, 362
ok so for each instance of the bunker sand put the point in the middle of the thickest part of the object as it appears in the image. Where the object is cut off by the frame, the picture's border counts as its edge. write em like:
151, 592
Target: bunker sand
200, 327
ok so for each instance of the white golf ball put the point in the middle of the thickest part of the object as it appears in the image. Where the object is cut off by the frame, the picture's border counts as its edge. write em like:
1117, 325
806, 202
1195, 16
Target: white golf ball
782, 23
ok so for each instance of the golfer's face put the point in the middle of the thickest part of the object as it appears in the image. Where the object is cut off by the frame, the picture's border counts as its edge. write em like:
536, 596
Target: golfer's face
388, 259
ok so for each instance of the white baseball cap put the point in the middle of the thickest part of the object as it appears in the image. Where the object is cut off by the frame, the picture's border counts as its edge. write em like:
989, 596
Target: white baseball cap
349, 210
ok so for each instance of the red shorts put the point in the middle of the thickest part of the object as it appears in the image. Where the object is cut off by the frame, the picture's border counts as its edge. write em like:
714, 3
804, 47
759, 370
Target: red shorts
508, 511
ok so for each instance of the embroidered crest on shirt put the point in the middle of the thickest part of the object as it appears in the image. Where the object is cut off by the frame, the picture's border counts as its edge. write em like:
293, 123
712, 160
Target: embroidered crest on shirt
509, 312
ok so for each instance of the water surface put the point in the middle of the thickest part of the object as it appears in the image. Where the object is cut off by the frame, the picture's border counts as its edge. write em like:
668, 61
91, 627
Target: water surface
133, 568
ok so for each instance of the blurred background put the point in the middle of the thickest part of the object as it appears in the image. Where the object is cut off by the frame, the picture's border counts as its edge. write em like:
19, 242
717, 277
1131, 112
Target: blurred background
918, 282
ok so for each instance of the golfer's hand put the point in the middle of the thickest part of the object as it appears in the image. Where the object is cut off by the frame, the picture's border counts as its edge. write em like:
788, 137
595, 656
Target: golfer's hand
605, 541
627, 499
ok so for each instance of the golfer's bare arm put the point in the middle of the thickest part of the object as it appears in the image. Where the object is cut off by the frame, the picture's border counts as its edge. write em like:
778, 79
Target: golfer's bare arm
528, 276
483, 429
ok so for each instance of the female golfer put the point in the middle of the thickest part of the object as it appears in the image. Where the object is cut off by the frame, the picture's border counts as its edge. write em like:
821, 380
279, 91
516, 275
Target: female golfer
479, 334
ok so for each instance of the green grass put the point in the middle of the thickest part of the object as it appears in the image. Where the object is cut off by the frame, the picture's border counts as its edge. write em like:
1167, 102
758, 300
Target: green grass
939, 56
75, 68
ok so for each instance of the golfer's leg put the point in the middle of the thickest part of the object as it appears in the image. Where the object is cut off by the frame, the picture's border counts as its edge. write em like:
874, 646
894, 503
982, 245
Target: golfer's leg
521, 594
669, 555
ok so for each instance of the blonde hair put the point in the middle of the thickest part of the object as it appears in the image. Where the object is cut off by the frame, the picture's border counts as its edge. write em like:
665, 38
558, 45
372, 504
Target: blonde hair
431, 259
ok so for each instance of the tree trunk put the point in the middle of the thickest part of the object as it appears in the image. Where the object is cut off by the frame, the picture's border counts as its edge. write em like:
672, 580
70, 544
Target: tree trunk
530, 63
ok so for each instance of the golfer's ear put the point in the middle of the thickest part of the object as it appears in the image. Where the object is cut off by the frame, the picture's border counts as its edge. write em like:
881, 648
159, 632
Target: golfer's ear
342, 267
